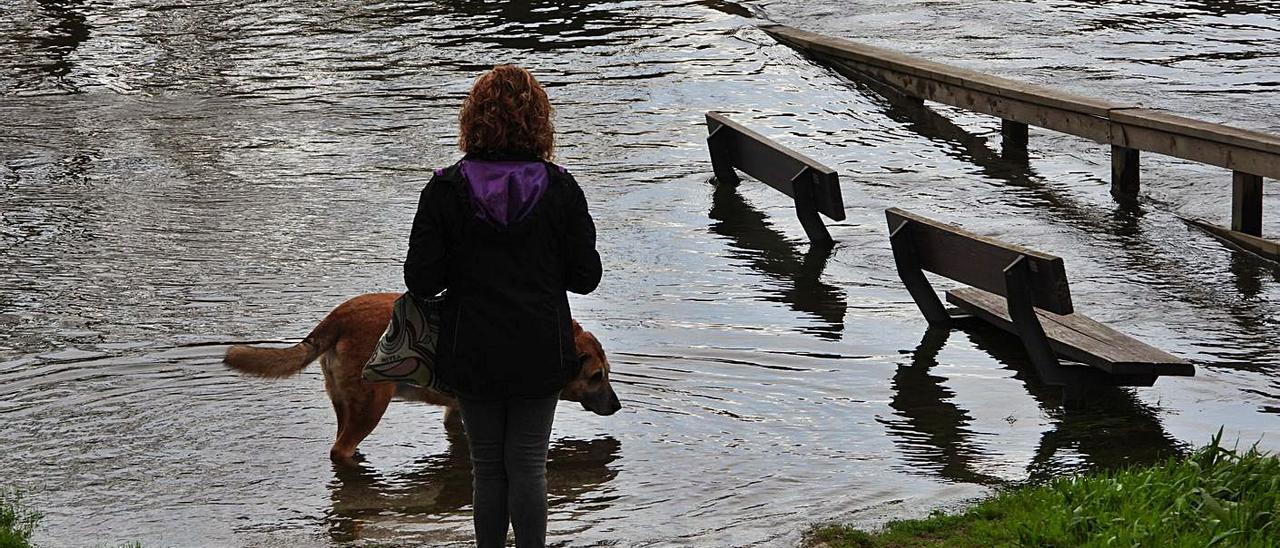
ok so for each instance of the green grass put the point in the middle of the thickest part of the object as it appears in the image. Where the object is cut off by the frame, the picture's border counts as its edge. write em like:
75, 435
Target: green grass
1213, 497
17, 521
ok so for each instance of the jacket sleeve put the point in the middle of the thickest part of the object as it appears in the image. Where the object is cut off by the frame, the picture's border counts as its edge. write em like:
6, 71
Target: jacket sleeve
425, 269
582, 268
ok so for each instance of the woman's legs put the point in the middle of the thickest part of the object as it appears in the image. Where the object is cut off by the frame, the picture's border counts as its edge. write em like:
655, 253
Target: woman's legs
486, 423
528, 434
509, 442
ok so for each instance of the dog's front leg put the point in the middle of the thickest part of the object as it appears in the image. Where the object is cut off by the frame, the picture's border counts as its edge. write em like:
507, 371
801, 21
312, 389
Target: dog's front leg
453, 420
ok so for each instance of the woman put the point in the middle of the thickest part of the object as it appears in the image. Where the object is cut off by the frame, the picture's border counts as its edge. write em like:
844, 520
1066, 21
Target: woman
507, 233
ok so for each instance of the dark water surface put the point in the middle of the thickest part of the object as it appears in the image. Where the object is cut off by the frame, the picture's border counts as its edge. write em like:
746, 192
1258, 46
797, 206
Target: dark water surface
177, 176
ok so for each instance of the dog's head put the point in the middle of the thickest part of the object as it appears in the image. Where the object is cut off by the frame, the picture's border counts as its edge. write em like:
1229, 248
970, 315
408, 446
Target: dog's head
590, 386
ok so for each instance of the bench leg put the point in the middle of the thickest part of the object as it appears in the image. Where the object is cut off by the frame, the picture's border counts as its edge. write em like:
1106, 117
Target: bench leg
904, 257
1017, 280
722, 158
807, 210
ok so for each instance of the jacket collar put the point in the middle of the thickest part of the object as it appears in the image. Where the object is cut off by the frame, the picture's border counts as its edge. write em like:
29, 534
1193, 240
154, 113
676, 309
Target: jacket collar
503, 156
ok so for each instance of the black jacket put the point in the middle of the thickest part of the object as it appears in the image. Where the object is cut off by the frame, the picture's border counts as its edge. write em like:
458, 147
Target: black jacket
505, 322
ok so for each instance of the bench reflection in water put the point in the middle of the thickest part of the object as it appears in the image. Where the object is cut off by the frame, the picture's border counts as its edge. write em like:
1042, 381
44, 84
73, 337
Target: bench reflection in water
770, 253
936, 435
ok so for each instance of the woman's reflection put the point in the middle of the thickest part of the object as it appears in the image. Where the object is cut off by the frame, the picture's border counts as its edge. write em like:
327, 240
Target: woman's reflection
438, 485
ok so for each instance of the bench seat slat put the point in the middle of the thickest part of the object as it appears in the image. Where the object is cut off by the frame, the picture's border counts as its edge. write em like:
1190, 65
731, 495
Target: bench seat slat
1078, 338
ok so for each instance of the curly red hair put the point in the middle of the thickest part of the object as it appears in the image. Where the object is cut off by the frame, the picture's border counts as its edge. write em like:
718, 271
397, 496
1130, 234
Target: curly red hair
507, 111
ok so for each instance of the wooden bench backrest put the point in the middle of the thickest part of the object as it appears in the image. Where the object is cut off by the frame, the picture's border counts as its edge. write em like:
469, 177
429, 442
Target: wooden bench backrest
979, 261
776, 165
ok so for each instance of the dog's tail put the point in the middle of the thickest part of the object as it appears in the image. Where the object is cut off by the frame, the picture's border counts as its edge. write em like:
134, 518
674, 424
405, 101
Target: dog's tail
278, 363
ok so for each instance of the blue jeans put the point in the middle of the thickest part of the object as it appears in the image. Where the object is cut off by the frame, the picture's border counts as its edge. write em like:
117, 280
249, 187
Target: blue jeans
508, 440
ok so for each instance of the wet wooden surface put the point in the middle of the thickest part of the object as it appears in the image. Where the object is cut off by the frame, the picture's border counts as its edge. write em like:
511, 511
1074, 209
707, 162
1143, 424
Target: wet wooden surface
979, 261
1123, 125
1079, 338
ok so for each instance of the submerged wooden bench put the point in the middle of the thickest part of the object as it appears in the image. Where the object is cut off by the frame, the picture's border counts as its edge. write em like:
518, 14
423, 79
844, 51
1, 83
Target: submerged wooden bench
1024, 292
814, 187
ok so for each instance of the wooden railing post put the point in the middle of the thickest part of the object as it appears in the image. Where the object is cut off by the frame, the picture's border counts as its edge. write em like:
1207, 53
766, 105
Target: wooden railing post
1124, 172
1246, 203
1014, 140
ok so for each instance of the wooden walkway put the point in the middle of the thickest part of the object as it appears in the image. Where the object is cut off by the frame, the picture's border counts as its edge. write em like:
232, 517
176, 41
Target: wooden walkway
1129, 129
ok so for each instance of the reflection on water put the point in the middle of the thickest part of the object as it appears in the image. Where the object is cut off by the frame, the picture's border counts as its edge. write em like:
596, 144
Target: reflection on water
1251, 275
1035, 191
1111, 429
931, 429
1138, 16
439, 485
767, 251
544, 25
60, 40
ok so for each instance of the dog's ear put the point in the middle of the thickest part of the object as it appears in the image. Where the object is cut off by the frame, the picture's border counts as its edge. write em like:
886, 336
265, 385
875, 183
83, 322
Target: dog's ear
577, 328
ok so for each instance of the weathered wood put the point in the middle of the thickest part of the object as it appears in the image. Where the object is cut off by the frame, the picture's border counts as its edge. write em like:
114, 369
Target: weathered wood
1079, 338
1026, 323
1021, 282
1123, 125
1125, 171
722, 159
1147, 130
1208, 131
839, 48
978, 261
1089, 126
1246, 203
774, 164
912, 275
804, 184
1266, 249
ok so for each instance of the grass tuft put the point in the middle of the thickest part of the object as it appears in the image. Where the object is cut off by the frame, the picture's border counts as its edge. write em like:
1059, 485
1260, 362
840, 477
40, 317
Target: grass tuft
17, 522
1214, 497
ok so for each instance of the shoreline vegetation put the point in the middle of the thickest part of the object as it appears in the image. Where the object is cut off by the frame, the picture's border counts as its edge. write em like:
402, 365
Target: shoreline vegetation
1213, 497
17, 520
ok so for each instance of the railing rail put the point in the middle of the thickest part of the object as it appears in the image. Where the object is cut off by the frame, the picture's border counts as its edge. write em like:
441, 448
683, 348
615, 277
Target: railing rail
1251, 155
814, 187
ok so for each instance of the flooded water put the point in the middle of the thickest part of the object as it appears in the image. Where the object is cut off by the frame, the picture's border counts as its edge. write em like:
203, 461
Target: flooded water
178, 176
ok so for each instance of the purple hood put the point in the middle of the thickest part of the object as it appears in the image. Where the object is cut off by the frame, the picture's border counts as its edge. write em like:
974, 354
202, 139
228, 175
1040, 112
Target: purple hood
505, 192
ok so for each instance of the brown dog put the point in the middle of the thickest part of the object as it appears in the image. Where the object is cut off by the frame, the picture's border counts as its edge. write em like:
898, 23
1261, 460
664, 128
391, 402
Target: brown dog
345, 339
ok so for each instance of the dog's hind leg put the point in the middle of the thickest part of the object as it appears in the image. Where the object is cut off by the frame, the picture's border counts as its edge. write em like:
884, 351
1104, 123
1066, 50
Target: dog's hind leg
360, 416
339, 410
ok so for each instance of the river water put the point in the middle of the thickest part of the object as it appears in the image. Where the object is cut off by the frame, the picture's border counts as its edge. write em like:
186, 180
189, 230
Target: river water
177, 176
